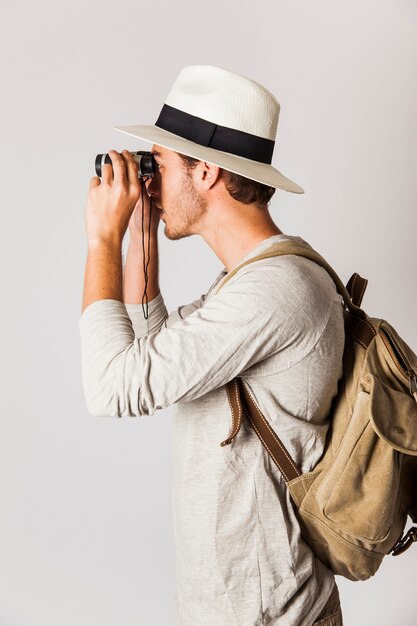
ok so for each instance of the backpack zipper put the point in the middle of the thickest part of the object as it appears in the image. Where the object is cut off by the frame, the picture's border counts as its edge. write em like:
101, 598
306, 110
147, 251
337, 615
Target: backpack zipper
401, 361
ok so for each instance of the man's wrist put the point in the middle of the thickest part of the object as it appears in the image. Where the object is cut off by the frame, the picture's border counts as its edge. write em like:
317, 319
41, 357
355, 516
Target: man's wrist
135, 236
109, 241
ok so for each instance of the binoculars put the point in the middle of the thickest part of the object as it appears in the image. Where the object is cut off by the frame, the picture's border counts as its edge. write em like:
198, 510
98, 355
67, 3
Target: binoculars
147, 165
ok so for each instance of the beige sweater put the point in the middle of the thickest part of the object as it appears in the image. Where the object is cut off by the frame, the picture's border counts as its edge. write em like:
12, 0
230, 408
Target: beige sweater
278, 323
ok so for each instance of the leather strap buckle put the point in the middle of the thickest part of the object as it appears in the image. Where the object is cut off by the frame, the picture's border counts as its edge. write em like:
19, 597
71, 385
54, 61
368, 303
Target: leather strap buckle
405, 542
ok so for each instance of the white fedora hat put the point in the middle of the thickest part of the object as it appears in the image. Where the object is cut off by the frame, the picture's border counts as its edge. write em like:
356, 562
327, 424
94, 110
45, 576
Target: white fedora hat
223, 118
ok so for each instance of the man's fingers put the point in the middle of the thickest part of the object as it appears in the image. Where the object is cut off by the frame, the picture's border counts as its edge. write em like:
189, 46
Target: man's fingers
147, 184
119, 167
107, 173
132, 168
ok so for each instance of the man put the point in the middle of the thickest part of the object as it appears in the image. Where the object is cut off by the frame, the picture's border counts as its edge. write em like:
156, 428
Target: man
277, 323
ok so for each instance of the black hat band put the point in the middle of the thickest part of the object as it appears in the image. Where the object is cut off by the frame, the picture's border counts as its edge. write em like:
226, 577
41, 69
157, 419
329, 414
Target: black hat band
214, 136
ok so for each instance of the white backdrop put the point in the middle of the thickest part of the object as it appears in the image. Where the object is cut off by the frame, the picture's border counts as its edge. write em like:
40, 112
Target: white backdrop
85, 524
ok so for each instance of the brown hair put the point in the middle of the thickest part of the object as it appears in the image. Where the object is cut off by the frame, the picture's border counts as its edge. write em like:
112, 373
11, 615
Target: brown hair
239, 187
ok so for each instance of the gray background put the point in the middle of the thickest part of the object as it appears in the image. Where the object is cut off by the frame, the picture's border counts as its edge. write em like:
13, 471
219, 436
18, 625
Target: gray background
85, 523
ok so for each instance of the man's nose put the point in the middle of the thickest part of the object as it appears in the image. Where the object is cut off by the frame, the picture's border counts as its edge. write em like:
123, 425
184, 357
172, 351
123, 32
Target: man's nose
152, 185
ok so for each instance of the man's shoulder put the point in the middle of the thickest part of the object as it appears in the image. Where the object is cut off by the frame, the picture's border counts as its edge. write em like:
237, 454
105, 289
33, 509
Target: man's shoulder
289, 273
288, 287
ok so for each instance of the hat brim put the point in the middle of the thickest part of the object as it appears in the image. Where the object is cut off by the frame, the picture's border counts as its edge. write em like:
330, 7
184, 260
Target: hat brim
260, 172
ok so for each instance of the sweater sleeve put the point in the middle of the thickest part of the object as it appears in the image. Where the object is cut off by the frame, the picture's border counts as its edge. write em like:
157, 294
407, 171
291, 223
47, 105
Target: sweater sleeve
246, 321
158, 316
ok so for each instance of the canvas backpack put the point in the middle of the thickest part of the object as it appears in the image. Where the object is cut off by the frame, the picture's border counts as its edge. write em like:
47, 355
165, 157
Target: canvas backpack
354, 504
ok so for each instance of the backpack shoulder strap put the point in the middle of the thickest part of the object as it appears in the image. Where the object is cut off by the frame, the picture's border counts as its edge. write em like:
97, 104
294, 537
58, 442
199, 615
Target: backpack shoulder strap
305, 250
356, 286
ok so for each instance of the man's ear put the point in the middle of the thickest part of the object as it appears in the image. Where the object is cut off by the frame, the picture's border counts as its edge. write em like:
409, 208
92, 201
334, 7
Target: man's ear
210, 174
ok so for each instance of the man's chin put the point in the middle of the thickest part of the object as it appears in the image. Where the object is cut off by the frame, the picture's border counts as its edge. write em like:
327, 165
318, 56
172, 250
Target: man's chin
174, 236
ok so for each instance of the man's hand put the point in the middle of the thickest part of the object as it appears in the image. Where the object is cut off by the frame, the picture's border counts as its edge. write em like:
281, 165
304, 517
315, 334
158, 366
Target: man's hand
140, 218
111, 201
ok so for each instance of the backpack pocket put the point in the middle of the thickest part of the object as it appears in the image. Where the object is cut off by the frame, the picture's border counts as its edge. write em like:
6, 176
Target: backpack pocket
359, 492
394, 417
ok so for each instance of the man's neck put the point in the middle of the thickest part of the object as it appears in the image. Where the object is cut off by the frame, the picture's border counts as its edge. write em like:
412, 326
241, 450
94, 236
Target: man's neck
237, 234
